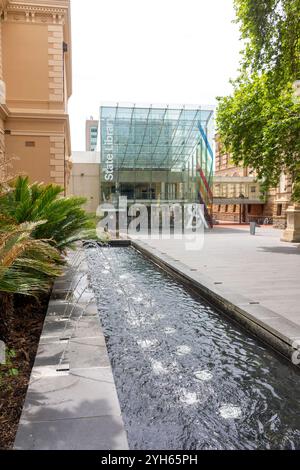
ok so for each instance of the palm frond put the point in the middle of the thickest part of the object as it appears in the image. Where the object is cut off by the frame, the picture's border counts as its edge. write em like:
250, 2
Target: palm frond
64, 220
27, 265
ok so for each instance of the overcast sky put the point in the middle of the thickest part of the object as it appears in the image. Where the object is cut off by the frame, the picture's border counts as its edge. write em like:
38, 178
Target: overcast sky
149, 51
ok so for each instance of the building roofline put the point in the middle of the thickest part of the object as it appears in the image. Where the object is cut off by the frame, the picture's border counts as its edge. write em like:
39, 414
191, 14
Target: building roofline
42, 3
207, 107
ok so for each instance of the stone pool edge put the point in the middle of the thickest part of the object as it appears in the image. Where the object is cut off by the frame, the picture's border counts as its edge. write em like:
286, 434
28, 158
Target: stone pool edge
71, 401
267, 325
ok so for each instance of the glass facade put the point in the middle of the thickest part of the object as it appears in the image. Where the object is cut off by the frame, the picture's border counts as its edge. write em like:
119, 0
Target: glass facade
156, 154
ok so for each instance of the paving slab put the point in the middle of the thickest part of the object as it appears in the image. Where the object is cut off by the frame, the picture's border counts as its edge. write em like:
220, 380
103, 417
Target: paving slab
87, 352
105, 432
63, 309
52, 354
82, 393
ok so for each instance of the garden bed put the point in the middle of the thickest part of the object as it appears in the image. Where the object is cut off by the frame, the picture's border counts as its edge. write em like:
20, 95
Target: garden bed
21, 337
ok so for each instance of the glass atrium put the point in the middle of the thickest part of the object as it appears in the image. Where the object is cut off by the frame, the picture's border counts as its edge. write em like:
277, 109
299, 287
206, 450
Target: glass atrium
156, 154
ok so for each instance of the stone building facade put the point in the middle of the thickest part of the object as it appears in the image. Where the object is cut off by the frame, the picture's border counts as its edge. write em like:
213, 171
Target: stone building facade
36, 83
85, 178
281, 201
239, 197
91, 134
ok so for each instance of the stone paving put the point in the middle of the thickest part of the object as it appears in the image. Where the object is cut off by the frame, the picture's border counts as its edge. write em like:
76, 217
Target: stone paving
72, 401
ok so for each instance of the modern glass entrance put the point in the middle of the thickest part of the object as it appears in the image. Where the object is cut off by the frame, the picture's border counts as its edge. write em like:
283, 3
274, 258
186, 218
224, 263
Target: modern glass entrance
156, 154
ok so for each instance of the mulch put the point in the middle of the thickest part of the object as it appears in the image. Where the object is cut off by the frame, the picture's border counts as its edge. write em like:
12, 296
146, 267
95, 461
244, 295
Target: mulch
24, 332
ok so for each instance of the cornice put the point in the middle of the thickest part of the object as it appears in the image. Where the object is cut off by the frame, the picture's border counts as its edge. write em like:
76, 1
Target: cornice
41, 6
15, 114
50, 12
63, 3
36, 9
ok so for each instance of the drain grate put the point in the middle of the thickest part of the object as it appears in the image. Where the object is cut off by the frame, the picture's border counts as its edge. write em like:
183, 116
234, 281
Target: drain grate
63, 368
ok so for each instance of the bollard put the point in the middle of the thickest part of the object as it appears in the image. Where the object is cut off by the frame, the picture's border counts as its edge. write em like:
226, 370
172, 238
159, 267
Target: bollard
252, 228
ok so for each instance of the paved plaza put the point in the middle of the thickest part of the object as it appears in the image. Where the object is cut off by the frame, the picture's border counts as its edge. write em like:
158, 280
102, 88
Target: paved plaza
261, 267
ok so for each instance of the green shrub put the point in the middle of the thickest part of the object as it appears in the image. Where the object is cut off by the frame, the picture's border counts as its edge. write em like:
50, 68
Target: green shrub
64, 221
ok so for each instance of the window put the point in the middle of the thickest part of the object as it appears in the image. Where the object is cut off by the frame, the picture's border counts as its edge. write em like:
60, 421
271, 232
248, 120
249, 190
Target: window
253, 189
234, 208
279, 209
230, 190
226, 208
217, 190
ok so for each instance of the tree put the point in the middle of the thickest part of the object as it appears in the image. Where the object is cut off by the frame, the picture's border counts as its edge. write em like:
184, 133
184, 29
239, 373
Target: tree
259, 124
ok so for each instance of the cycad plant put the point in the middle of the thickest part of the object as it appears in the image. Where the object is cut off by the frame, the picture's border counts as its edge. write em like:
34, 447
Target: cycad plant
64, 220
37, 225
27, 266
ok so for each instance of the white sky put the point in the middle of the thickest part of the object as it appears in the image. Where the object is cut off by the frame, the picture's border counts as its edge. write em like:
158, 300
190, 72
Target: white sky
149, 51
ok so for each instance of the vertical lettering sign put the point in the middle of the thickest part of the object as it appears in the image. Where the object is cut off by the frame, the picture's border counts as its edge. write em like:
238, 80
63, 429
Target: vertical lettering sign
108, 148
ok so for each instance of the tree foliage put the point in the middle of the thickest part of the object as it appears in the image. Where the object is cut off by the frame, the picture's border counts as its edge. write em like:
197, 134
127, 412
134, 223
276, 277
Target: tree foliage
259, 124
271, 31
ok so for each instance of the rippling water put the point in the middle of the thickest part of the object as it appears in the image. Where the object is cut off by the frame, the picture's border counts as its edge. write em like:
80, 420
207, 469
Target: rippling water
186, 377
